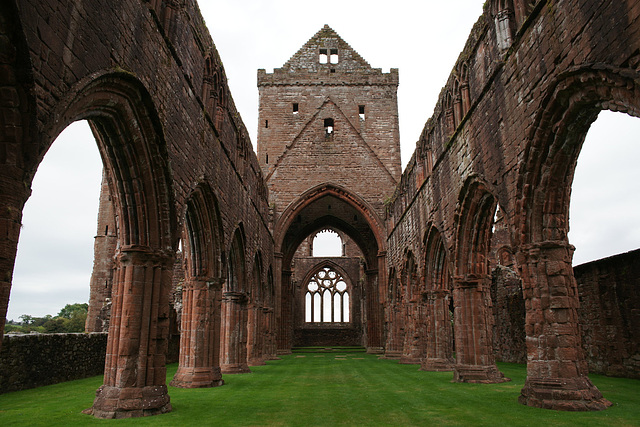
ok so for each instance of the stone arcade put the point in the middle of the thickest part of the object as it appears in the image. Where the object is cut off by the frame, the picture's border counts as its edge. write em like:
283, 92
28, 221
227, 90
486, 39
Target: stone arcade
419, 246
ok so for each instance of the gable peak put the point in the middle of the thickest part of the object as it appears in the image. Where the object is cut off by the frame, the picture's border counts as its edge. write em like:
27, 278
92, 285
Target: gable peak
326, 49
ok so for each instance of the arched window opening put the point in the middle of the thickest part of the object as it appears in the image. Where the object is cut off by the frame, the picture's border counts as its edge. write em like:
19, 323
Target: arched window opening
327, 243
329, 292
55, 252
603, 211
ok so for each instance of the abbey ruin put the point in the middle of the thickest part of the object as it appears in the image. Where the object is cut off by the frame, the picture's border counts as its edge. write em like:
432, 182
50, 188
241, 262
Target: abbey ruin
459, 260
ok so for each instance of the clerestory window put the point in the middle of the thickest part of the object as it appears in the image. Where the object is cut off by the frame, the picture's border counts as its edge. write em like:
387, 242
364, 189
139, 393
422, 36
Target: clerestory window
327, 297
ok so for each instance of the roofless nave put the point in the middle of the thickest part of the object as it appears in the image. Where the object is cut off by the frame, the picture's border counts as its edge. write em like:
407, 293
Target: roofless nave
418, 246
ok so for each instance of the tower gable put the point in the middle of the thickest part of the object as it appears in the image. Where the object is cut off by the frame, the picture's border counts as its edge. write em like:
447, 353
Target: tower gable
326, 50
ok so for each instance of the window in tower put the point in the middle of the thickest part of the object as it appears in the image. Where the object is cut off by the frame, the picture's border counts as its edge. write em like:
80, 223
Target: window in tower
295, 108
333, 58
328, 128
361, 111
324, 57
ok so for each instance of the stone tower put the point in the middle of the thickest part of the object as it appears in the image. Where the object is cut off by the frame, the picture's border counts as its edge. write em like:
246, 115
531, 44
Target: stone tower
328, 145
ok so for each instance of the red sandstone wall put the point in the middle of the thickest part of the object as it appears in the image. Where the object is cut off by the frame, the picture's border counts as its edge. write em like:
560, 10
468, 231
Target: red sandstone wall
610, 314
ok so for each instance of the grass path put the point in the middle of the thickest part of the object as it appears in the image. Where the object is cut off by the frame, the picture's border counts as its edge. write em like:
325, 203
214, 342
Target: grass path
330, 389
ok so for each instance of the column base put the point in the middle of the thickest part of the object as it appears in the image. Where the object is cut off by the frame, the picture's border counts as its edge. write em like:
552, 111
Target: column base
256, 362
563, 394
478, 374
236, 368
409, 360
437, 365
394, 355
130, 402
197, 378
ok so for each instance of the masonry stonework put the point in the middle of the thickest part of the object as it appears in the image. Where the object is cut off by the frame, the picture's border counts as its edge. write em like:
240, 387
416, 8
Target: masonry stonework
328, 129
482, 205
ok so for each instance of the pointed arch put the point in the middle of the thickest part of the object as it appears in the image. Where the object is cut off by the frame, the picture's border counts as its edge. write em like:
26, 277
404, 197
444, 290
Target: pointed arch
133, 149
200, 320
329, 282
473, 316
474, 218
412, 350
236, 265
286, 244
203, 235
438, 298
234, 313
544, 257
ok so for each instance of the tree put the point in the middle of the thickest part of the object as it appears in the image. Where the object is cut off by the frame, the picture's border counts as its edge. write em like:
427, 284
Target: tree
72, 310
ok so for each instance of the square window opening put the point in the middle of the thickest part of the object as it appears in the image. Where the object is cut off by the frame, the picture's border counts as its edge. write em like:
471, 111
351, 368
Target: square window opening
324, 57
333, 58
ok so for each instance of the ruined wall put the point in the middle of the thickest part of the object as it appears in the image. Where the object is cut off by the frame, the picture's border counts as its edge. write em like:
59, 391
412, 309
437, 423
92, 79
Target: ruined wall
509, 311
148, 78
34, 360
507, 130
610, 314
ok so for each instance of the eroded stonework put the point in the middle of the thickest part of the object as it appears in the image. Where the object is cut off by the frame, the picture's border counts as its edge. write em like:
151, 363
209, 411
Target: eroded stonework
487, 189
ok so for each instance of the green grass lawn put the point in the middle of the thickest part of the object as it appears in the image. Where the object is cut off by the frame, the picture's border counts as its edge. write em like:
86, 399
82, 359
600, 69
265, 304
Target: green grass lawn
328, 389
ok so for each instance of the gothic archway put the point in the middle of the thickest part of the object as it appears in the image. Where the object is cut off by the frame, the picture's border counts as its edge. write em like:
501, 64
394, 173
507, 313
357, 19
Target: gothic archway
199, 364
544, 253
438, 296
473, 318
330, 206
234, 311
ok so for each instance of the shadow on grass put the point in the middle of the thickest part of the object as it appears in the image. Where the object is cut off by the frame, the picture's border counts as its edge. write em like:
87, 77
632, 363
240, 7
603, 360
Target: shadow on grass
318, 389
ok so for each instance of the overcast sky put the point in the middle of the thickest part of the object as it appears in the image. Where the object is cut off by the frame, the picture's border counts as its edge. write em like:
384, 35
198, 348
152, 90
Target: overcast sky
421, 39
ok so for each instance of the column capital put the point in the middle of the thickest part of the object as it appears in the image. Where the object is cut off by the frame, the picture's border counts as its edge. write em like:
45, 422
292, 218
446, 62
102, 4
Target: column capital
234, 296
470, 281
141, 254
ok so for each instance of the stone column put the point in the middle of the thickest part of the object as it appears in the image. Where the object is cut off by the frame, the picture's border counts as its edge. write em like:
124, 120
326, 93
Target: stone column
439, 337
13, 195
199, 364
234, 325
411, 350
473, 331
271, 351
395, 336
135, 373
255, 333
373, 313
556, 367
285, 337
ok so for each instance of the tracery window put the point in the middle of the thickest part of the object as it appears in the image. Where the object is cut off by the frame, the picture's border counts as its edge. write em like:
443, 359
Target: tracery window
327, 297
